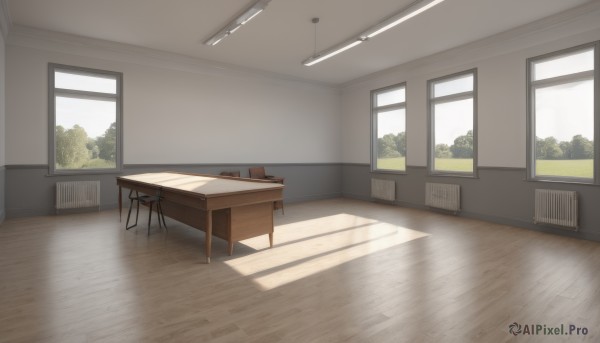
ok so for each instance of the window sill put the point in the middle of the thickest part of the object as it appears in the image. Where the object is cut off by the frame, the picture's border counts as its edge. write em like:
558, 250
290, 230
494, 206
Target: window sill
449, 174
383, 171
84, 172
568, 182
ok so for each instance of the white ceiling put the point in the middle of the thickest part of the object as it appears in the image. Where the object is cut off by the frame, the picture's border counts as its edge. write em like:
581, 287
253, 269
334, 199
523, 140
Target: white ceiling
281, 37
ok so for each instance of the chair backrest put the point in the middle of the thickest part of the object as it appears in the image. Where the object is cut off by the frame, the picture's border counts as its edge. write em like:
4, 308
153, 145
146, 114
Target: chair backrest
257, 173
231, 173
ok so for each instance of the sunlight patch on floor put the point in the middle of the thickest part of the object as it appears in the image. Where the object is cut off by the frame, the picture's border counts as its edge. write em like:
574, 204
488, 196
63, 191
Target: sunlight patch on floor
305, 248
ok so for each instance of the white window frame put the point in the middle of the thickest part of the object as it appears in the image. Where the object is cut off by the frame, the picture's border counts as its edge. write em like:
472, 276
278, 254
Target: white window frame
431, 122
531, 134
53, 92
375, 109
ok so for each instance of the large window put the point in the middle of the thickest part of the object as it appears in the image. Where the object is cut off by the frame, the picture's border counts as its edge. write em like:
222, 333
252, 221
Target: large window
562, 120
452, 126
388, 113
85, 120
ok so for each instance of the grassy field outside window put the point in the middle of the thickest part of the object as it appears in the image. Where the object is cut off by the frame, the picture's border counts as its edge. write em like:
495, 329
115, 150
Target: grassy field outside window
566, 168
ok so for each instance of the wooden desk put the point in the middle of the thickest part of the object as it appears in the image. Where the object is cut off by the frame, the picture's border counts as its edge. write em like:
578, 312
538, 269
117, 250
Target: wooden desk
278, 204
233, 209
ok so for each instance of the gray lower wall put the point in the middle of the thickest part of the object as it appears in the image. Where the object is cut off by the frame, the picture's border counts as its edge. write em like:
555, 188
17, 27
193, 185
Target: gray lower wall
500, 195
2, 192
31, 192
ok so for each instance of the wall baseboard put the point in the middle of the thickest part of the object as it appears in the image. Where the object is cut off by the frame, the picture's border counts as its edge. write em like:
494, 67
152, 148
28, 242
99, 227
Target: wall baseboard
313, 197
356, 196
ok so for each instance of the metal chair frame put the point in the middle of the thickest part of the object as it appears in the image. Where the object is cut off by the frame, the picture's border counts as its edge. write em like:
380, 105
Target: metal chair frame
148, 200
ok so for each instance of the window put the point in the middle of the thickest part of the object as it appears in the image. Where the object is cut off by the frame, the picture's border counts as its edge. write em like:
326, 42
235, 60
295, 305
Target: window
562, 116
388, 115
85, 120
452, 124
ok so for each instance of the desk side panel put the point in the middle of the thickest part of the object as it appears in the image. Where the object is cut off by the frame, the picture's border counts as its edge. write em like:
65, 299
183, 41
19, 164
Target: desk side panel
185, 214
197, 218
251, 221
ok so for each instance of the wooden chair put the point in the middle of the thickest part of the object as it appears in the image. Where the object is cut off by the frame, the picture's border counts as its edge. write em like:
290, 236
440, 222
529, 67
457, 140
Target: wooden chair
148, 200
259, 173
235, 173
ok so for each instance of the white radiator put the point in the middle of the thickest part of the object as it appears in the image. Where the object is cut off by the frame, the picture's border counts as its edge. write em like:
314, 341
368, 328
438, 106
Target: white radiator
383, 189
556, 207
444, 196
77, 194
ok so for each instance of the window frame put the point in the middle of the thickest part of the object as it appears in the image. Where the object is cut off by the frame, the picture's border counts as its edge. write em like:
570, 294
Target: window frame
53, 92
431, 102
558, 80
374, 125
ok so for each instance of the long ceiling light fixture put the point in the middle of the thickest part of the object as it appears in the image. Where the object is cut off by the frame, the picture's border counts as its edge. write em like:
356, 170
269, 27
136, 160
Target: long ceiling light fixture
406, 13
240, 20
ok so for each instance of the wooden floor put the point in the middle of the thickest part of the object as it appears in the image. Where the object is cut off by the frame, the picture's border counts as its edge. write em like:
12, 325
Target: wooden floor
340, 271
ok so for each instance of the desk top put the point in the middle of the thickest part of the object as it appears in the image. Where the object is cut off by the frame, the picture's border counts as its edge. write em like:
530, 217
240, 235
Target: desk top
201, 184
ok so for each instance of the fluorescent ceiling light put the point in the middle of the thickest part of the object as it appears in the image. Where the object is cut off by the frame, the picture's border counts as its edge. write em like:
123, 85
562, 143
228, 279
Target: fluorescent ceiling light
240, 20
406, 13
331, 52
256, 12
413, 10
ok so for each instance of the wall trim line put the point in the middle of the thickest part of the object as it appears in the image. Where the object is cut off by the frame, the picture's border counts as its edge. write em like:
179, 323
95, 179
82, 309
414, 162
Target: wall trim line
425, 167
354, 164
26, 166
187, 165
183, 165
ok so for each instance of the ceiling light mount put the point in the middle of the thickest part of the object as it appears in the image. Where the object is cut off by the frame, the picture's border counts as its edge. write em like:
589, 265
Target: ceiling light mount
315, 21
251, 12
403, 15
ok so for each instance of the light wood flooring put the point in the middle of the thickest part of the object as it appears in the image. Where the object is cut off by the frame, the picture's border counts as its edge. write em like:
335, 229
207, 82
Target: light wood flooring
341, 271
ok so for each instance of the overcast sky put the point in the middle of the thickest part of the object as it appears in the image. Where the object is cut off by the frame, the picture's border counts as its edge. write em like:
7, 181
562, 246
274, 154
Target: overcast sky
95, 116
565, 111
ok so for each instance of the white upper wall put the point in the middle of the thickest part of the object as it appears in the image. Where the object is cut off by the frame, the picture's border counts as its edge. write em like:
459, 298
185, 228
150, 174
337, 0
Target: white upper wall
203, 113
5, 23
175, 109
2, 101
500, 61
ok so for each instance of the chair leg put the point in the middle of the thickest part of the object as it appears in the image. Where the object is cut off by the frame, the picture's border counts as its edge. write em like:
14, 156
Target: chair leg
137, 213
161, 215
128, 214
150, 217
158, 214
